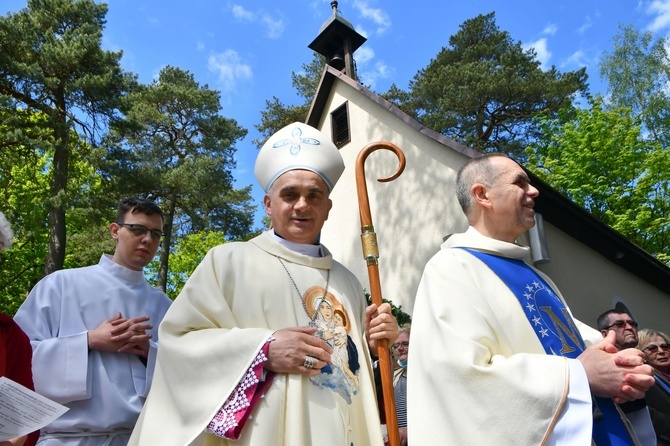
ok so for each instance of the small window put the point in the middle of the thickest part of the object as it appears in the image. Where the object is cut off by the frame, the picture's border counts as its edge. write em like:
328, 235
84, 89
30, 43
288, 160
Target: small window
339, 122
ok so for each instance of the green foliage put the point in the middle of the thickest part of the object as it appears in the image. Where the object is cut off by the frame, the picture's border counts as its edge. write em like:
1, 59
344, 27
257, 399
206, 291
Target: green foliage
402, 99
400, 316
25, 172
307, 81
176, 148
52, 62
637, 70
613, 158
598, 158
484, 89
278, 115
57, 187
187, 254
23, 192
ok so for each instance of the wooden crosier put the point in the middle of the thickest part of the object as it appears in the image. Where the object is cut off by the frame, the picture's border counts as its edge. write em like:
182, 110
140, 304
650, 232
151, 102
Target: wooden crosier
371, 255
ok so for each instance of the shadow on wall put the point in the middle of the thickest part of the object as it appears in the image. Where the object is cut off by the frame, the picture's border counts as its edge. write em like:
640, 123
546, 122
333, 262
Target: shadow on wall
410, 214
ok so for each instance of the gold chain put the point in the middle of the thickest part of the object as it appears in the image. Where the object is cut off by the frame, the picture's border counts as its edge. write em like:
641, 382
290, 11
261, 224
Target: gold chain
302, 300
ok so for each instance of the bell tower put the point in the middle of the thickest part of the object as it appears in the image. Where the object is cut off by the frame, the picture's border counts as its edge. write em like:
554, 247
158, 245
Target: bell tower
337, 41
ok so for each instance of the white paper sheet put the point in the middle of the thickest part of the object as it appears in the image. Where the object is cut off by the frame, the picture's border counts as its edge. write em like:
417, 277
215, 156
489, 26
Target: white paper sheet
23, 411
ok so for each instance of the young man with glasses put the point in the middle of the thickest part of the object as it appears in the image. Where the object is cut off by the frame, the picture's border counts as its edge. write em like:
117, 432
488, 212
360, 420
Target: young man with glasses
625, 329
94, 334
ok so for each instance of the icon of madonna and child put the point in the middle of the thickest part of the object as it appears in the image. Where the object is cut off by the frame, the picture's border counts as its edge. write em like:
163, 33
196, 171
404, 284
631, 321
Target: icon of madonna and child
330, 319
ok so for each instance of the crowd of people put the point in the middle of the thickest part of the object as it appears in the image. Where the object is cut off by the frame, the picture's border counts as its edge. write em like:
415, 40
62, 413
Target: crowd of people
271, 341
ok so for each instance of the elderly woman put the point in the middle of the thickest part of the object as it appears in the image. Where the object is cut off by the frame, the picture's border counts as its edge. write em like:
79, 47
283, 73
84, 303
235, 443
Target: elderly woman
656, 348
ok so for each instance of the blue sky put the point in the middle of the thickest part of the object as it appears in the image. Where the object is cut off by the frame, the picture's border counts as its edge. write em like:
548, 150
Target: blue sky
247, 50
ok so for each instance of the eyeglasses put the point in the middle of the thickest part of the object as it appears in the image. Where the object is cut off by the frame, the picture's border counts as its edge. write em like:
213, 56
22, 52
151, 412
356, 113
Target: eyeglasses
397, 345
141, 231
622, 324
654, 349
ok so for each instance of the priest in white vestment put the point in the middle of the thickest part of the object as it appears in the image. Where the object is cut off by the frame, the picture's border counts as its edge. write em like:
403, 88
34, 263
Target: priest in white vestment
479, 371
269, 341
94, 333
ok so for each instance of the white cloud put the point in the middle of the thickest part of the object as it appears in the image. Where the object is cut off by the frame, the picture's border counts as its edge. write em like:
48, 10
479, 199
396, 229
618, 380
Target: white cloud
362, 31
661, 9
242, 14
315, 5
587, 24
379, 71
378, 16
364, 54
200, 46
550, 29
273, 24
577, 58
230, 69
541, 50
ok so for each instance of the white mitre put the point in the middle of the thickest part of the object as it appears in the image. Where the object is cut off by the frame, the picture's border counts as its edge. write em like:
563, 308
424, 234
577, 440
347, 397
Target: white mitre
298, 146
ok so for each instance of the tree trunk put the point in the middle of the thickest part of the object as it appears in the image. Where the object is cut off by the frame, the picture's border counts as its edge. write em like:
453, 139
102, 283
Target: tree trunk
165, 252
57, 228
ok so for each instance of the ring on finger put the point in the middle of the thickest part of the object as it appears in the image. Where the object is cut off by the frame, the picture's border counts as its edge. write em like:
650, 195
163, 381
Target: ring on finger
309, 362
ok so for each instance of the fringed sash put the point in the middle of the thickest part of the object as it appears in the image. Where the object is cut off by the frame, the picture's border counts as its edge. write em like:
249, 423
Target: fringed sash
557, 332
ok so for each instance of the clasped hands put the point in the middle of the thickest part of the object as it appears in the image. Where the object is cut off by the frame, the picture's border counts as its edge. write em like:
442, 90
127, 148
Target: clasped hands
122, 335
620, 375
287, 353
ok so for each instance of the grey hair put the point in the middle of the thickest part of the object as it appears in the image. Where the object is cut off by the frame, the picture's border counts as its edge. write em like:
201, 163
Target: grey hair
6, 233
476, 170
644, 337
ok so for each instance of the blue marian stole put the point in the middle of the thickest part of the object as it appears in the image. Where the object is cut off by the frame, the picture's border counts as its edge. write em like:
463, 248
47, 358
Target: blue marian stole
557, 332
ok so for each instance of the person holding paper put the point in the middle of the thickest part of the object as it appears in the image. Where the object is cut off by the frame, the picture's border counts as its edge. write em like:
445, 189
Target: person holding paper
15, 364
15, 351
